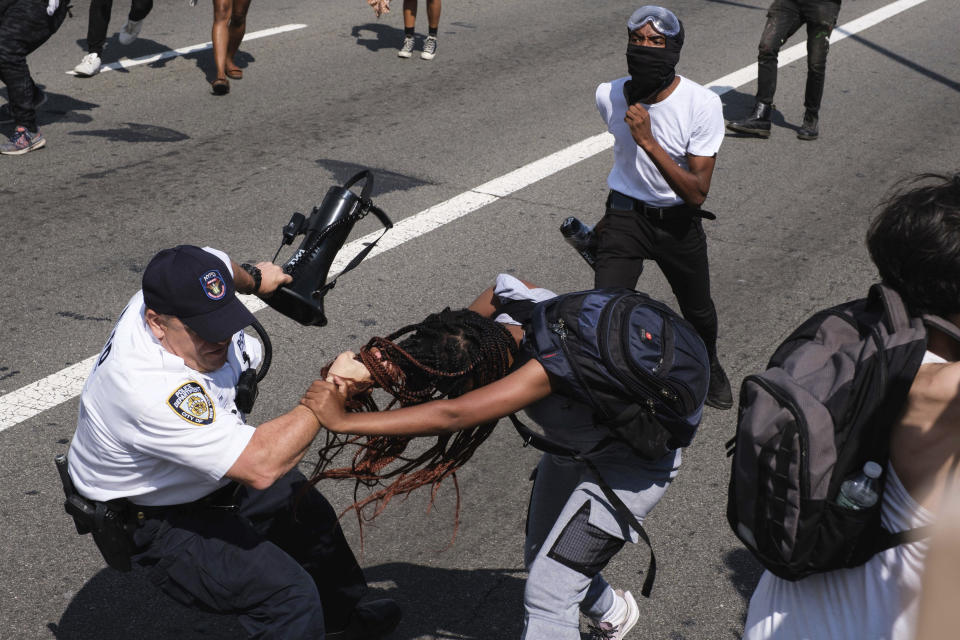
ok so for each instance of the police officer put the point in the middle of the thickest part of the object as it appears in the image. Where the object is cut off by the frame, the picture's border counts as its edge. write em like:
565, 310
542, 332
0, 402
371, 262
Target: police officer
667, 131
221, 517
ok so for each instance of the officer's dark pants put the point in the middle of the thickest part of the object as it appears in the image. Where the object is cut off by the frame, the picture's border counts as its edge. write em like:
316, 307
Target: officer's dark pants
679, 247
24, 26
784, 17
289, 574
100, 20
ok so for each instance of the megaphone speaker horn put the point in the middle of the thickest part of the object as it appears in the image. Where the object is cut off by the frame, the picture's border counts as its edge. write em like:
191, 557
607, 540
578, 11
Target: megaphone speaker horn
327, 229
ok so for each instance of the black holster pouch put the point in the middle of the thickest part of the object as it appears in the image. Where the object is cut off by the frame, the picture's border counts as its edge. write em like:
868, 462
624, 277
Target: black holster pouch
111, 523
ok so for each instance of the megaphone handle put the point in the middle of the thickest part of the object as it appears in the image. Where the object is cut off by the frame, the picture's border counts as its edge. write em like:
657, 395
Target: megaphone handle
367, 185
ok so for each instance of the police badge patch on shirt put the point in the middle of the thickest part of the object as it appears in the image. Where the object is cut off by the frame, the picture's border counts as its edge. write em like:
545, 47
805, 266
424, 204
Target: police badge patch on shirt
191, 402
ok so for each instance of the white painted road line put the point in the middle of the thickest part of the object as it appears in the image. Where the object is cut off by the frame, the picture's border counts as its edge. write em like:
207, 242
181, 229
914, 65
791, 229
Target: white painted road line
173, 53
26, 402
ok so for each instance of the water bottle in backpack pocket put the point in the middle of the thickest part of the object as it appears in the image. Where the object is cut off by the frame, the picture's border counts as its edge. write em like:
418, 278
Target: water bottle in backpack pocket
860, 491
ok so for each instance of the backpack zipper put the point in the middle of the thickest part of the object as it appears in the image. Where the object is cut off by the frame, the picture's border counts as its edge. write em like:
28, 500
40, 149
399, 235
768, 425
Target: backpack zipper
667, 394
801, 423
603, 327
560, 329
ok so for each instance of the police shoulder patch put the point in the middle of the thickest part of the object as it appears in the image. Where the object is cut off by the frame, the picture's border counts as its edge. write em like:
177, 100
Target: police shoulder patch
191, 402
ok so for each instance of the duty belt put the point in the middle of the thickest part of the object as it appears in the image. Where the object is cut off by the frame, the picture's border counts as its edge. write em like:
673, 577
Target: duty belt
623, 202
222, 498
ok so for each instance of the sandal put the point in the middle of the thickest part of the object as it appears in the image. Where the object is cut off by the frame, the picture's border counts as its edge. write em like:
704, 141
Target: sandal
221, 87
235, 74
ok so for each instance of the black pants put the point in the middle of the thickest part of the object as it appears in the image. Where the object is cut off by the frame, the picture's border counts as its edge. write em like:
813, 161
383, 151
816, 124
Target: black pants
24, 26
677, 244
281, 564
100, 20
784, 18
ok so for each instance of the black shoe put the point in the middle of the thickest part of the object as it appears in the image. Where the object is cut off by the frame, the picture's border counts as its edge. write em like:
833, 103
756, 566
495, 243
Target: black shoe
757, 124
809, 129
370, 621
719, 395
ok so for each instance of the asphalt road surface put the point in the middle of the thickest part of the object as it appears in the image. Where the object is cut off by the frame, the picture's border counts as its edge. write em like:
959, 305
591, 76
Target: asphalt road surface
144, 157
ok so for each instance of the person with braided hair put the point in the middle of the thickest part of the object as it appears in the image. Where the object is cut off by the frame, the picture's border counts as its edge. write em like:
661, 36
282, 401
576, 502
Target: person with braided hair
454, 377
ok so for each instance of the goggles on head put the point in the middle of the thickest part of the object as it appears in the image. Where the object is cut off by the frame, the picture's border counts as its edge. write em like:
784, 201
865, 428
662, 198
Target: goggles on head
662, 20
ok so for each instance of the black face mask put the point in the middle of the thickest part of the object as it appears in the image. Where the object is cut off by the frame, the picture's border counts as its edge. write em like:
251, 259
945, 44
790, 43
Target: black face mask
651, 70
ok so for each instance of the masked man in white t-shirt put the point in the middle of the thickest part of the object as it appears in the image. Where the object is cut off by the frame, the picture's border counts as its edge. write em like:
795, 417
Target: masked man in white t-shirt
667, 131
217, 511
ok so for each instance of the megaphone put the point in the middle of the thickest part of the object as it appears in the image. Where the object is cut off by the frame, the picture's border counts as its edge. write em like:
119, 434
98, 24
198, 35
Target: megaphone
325, 232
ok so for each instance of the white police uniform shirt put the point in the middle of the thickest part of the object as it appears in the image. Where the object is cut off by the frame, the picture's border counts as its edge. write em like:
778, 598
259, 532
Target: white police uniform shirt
150, 428
688, 121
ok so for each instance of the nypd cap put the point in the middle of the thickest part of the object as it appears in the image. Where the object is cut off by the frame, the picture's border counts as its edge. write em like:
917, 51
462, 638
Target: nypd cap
196, 287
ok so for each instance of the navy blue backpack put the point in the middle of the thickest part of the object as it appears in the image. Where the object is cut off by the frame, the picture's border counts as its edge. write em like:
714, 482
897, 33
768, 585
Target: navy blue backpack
641, 367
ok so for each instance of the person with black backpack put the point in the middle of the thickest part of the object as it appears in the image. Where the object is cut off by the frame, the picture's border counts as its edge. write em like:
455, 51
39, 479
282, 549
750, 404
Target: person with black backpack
835, 491
613, 425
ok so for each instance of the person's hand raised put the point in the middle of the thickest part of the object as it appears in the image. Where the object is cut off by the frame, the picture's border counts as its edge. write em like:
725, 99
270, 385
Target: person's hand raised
638, 119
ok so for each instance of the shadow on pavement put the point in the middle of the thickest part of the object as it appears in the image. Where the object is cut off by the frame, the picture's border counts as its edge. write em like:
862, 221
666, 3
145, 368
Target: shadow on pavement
738, 105
114, 52
59, 108
384, 36
135, 132
744, 574
384, 181
443, 604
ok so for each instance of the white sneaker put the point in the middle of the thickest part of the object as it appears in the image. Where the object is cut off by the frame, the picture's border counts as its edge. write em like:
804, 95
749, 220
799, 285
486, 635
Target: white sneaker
89, 66
406, 49
429, 48
130, 31
617, 629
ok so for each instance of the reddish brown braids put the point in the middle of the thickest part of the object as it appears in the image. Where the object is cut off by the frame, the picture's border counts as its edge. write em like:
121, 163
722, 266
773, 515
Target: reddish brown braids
446, 355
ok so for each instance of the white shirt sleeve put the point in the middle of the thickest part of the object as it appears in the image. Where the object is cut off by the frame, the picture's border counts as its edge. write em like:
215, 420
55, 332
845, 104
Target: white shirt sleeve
708, 127
604, 105
184, 425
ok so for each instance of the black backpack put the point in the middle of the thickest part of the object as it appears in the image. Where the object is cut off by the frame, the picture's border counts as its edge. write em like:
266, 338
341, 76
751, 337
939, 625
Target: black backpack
823, 408
641, 367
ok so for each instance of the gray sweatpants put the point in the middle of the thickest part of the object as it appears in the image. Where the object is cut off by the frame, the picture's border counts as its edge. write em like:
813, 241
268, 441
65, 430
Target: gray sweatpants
572, 532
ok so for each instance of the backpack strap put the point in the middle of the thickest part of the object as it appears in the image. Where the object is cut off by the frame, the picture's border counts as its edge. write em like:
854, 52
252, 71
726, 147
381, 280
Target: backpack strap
543, 444
896, 315
887, 539
944, 326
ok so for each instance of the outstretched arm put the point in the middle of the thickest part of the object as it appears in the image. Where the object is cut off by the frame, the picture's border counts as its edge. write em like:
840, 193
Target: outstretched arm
524, 386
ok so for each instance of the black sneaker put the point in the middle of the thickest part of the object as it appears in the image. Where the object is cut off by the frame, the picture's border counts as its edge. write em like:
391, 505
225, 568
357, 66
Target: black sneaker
719, 394
370, 621
6, 116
